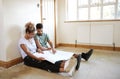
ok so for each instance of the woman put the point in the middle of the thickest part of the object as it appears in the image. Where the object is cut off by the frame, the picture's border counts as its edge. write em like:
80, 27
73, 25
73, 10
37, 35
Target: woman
27, 47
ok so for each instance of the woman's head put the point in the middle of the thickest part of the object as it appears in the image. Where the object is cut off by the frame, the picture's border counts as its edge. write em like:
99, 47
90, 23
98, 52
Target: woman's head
30, 29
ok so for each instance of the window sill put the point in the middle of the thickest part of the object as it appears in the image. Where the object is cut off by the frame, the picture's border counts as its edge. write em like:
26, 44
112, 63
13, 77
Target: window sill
91, 20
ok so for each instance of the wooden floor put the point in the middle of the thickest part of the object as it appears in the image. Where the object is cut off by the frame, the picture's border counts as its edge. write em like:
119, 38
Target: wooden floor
102, 65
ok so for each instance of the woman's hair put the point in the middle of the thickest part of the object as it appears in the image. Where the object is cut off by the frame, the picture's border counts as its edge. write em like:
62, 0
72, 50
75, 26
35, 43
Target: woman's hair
39, 26
29, 27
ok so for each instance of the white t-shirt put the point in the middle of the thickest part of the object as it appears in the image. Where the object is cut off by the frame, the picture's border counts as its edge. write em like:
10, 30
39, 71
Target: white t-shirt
30, 44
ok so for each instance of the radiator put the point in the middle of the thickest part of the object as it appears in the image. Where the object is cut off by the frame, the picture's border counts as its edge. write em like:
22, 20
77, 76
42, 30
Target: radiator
96, 34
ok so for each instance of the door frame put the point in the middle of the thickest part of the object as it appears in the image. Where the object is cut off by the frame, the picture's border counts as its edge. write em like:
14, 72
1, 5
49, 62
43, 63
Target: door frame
54, 20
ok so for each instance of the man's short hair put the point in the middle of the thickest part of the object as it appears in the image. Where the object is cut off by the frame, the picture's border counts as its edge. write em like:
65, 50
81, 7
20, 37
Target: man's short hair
39, 26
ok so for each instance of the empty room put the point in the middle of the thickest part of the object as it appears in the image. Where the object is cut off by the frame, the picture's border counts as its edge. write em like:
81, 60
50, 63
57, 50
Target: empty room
59, 39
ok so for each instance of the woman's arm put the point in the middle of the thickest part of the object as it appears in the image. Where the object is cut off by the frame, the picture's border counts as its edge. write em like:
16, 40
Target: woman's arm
29, 53
39, 50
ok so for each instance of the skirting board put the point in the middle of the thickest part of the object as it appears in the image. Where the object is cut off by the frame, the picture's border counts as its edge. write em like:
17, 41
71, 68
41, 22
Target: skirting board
90, 46
10, 63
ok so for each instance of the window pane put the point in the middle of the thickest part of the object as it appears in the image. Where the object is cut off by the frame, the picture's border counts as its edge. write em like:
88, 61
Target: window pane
109, 12
108, 1
83, 13
95, 2
83, 2
118, 13
95, 13
119, 1
71, 10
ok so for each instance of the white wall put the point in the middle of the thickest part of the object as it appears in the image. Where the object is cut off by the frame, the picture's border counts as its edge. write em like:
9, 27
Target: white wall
68, 31
2, 49
16, 13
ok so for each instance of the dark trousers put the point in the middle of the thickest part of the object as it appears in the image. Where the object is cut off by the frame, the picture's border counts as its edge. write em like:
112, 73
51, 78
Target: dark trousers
48, 66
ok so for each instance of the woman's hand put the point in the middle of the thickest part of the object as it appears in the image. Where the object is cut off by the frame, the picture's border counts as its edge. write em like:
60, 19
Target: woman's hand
41, 58
39, 51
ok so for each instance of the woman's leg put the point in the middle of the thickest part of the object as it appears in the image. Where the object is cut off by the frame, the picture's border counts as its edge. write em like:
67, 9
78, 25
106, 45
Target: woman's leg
61, 70
57, 67
45, 65
72, 62
62, 64
32, 62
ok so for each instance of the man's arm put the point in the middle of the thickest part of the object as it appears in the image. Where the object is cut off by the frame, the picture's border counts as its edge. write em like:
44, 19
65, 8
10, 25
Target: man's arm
39, 45
51, 45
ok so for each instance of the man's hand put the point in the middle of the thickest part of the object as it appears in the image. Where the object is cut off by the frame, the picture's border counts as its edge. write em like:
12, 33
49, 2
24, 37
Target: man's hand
53, 51
44, 48
48, 48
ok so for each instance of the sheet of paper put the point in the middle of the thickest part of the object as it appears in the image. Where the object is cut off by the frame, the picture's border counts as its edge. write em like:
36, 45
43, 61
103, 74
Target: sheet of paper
59, 55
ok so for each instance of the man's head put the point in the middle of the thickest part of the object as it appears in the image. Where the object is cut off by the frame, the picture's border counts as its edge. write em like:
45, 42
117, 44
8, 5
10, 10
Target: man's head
39, 28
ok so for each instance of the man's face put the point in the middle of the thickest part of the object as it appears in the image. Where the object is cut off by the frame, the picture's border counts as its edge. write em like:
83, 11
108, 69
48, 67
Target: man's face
39, 31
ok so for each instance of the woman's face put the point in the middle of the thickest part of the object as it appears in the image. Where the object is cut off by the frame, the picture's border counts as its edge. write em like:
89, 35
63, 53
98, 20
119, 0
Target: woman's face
31, 35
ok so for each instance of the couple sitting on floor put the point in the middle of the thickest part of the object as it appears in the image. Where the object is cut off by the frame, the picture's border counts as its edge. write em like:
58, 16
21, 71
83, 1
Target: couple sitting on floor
32, 43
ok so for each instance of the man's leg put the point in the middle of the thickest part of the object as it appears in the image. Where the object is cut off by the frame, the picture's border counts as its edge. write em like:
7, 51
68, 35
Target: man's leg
78, 57
78, 62
87, 55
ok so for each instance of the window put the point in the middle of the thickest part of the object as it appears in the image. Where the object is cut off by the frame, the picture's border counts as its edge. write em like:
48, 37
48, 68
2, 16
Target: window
95, 13
118, 10
95, 2
109, 1
83, 2
109, 12
71, 10
92, 10
83, 13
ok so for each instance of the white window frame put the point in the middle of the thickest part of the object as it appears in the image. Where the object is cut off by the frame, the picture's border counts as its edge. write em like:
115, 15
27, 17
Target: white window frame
89, 7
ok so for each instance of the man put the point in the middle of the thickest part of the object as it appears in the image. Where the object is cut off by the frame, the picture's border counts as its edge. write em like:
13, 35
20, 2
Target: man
42, 39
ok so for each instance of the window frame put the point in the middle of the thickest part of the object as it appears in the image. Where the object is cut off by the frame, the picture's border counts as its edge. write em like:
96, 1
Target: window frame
89, 6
